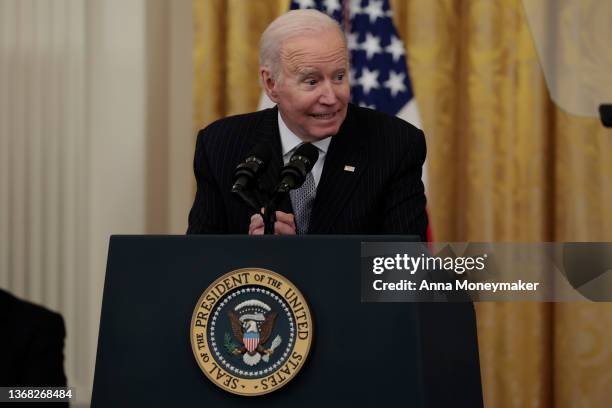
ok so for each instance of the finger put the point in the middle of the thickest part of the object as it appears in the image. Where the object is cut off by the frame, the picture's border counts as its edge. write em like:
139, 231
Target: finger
287, 218
256, 224
280, 228
254, 230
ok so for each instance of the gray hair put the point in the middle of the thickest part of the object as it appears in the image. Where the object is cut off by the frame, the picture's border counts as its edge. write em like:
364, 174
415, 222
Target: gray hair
289, 25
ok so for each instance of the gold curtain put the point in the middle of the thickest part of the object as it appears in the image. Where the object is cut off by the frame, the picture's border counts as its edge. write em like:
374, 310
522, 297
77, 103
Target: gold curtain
504, 163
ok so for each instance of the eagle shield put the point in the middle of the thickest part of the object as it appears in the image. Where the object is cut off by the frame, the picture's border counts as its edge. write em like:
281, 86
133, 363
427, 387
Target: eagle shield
250, 340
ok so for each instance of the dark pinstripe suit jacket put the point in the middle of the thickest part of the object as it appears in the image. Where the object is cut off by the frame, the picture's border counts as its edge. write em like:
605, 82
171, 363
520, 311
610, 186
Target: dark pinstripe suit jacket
383, 195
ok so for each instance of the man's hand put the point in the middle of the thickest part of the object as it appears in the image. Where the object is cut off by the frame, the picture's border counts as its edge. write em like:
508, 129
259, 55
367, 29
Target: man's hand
284, 225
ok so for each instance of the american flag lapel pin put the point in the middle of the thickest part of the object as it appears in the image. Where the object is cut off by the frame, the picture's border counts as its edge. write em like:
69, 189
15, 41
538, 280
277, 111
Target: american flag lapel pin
350, 169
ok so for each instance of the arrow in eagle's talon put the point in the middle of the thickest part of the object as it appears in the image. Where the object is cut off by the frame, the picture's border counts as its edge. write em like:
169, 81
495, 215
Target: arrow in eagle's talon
275, 343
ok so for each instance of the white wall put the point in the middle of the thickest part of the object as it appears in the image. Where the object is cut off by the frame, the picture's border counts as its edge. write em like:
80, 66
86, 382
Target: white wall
95, 139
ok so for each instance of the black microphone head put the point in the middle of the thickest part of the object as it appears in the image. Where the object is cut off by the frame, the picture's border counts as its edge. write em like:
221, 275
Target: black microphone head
249, 169
308, 154
301, 163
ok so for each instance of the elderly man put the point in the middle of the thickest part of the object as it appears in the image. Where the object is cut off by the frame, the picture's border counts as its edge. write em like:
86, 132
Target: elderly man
367, 179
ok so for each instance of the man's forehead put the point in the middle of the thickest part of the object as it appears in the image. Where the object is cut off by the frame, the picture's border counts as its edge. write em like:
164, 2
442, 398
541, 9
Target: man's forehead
306, 55
307, 69
324, 43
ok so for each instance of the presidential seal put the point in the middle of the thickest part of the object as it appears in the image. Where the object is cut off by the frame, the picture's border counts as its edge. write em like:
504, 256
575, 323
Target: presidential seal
251, 331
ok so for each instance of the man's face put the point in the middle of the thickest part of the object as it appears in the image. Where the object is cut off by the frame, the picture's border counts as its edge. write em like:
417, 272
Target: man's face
313, 92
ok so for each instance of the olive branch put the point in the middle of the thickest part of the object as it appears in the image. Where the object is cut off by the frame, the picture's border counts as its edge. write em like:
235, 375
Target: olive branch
229, 344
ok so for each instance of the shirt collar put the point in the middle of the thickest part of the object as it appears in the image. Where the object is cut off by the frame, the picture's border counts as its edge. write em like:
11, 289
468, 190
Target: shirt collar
289, 140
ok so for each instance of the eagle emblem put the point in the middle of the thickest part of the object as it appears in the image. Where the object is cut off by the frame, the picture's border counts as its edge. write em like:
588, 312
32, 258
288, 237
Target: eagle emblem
236, 330
252, 322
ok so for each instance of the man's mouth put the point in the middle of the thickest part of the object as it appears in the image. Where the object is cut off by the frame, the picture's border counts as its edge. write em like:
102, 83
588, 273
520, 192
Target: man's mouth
323, 116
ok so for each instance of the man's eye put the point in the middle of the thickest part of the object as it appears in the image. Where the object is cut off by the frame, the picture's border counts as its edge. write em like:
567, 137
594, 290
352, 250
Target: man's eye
340, 77
311, 82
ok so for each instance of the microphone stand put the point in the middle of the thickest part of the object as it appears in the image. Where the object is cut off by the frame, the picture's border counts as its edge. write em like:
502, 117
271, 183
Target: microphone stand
305, 156
247, 199
269, 215
269, 211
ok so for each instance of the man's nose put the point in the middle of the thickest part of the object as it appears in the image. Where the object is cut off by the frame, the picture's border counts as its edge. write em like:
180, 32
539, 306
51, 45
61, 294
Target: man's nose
328, 94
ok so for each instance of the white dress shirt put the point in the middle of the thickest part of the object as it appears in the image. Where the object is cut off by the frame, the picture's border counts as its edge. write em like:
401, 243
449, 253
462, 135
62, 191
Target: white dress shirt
289, 142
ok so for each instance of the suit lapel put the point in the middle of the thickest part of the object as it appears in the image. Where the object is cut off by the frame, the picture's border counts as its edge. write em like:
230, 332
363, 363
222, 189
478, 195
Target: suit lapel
345, 162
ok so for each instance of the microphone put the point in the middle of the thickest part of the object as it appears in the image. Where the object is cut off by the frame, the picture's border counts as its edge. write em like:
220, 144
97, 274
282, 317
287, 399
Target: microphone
301, 163
251, 167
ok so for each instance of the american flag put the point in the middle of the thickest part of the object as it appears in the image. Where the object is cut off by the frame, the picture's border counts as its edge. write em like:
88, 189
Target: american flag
379, 75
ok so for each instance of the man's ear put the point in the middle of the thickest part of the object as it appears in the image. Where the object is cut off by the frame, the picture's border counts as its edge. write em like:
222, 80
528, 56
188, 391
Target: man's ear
269, 84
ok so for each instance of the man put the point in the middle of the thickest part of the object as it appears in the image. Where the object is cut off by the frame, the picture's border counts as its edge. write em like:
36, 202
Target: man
367, 179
